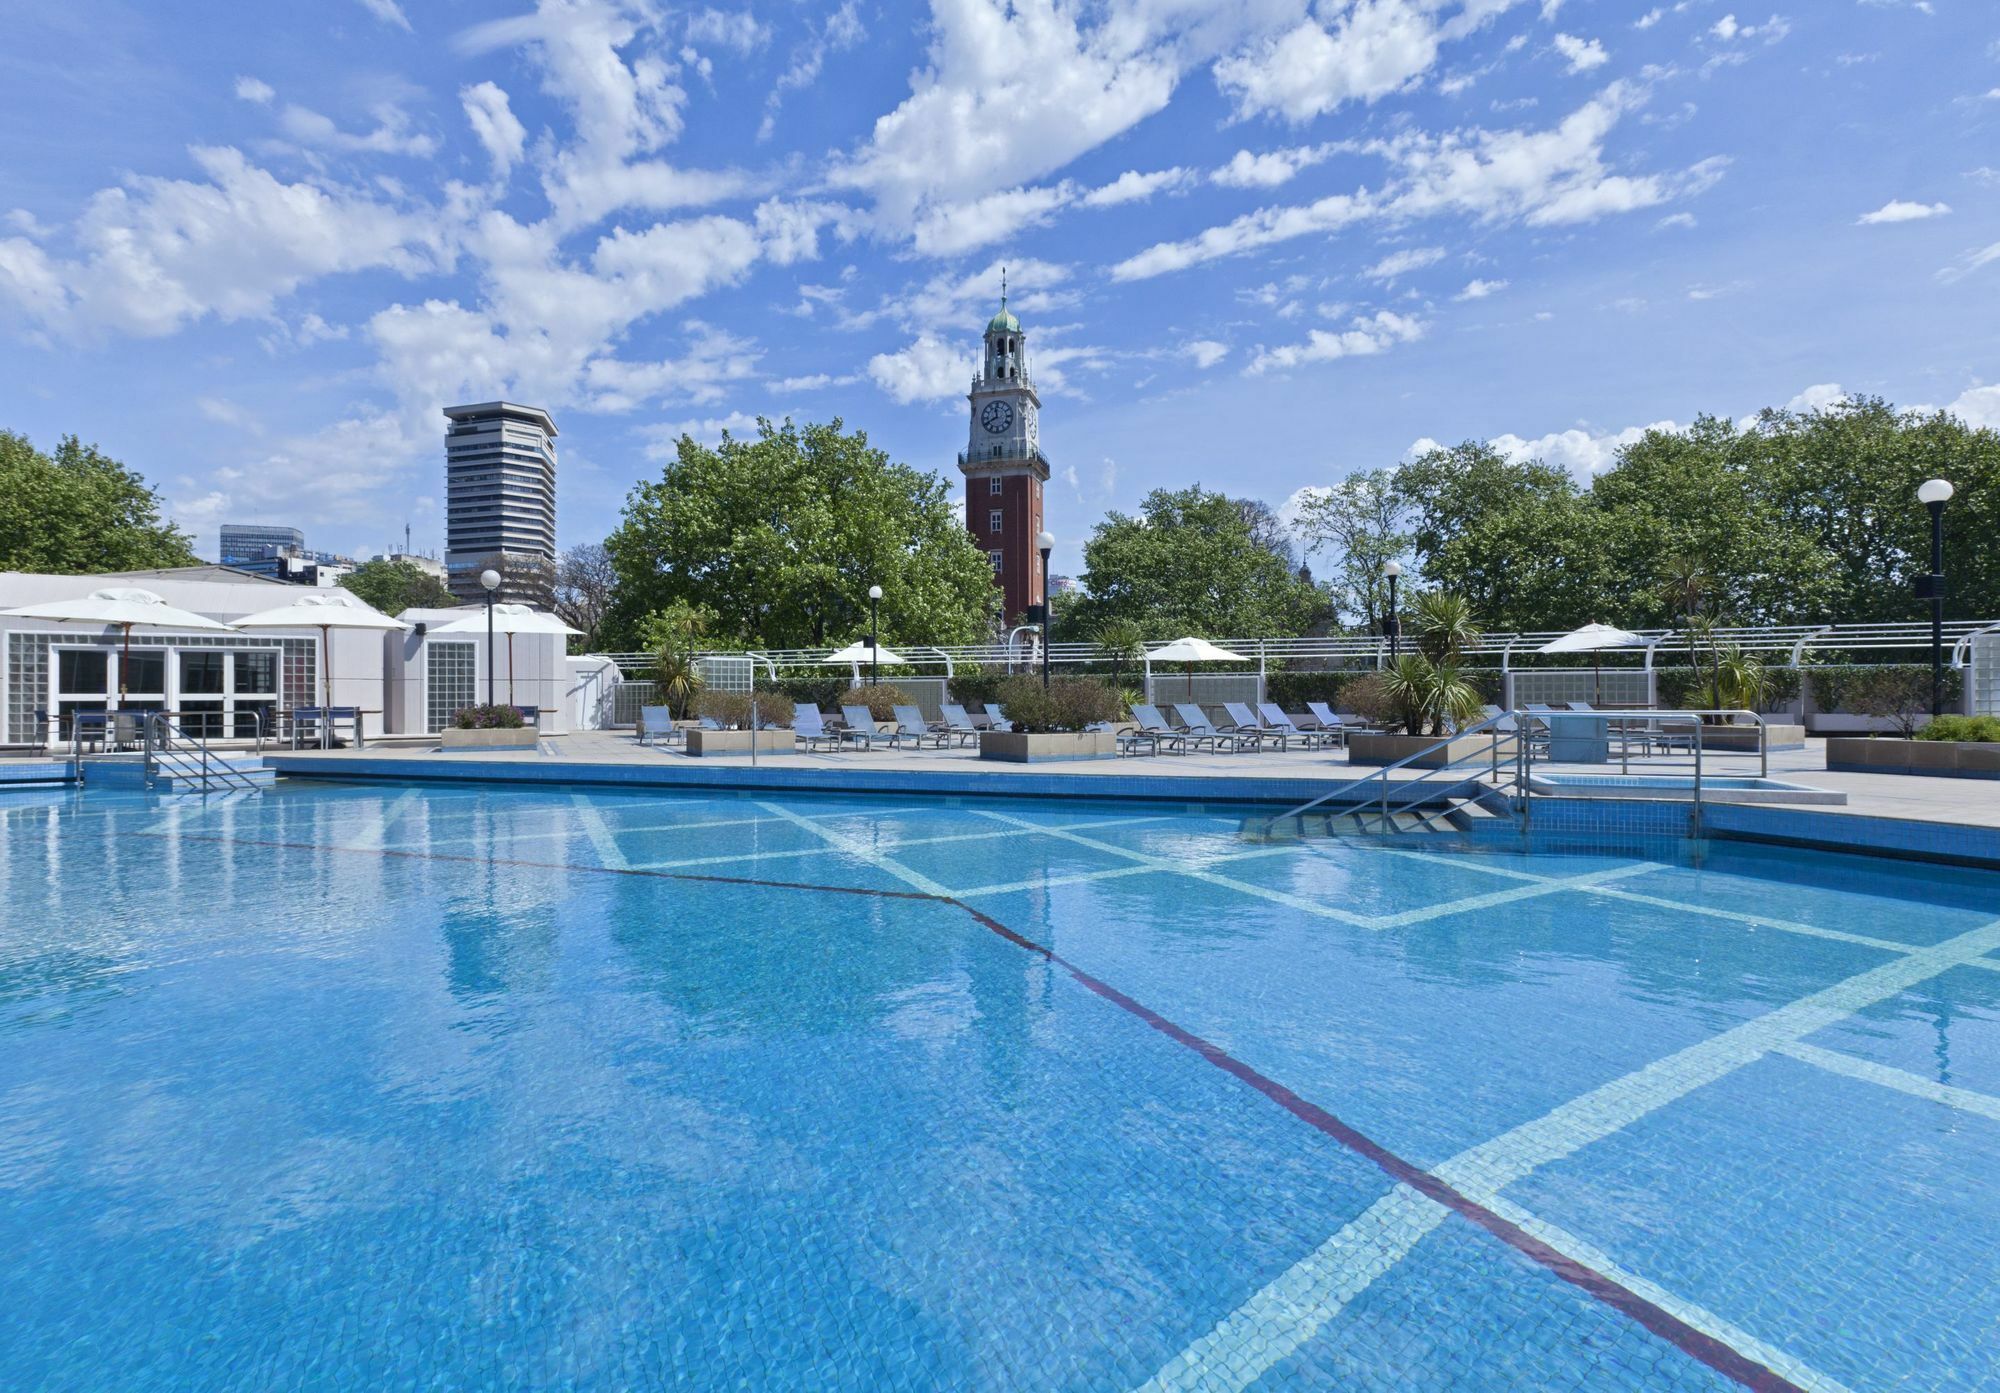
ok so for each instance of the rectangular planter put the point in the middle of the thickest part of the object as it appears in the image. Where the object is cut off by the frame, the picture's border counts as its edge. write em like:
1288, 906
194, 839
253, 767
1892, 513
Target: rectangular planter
1389, 749
1743, 739
701, 743
1938, 758
1018, 747
522, 739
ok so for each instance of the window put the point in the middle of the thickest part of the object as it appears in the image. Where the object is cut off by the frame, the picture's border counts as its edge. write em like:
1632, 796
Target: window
993, 485
993, 520
994, 557
454, 681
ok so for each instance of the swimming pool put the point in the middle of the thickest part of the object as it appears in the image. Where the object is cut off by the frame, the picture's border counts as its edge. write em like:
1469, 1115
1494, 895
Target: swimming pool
361, 1086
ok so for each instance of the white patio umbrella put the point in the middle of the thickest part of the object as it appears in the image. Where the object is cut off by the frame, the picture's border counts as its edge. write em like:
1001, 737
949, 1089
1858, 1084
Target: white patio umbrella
122, 606
509, 620
325, 610
858, 652
1192, 651
1594, 639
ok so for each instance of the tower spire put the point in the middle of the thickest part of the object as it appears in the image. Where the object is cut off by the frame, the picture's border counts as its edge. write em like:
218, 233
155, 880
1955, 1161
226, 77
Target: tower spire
1003, 287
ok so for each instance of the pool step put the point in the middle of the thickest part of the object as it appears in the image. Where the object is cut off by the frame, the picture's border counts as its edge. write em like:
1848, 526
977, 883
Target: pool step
180, 774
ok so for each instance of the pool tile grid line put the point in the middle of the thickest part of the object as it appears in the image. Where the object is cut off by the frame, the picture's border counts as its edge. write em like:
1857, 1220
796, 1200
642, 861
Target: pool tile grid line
1433, 1188
599, 832
1902, 1080
1481, 1172
374, 829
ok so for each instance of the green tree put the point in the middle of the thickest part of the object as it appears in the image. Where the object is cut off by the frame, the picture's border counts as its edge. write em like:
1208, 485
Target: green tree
79, 511
1518, 541
779, 538
394, 586
1189, 563
1362, 523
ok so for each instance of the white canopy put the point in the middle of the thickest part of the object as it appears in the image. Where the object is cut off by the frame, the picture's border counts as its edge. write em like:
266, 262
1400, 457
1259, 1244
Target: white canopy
123, 606
860, 652
1592, 638
323, 610
1194, 650
508, 619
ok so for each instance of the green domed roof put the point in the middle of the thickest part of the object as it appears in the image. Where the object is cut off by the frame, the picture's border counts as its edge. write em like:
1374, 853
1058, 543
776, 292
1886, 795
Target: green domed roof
1003, 321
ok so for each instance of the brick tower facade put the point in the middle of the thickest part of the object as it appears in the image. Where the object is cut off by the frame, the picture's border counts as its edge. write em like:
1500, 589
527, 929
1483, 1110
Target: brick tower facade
1004, 467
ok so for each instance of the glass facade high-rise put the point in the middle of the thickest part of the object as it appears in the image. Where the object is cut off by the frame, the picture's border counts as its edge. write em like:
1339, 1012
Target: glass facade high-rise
256, 541
500, 501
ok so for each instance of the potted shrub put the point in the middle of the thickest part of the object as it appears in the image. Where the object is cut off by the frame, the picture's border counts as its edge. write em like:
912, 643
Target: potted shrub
732, 711
488, 728
1053, 723
1425, 692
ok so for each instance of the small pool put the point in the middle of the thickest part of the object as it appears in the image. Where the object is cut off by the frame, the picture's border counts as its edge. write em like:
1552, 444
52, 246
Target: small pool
367, 1087
1727, 789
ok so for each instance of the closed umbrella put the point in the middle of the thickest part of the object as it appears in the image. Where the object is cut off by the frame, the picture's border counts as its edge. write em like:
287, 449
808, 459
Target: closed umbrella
325, 610
1192, 651
510, 620
124, 607
1594, 639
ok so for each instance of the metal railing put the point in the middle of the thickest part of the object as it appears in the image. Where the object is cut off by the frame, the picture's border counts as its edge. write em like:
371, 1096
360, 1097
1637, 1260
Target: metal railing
1504, 761
162, 757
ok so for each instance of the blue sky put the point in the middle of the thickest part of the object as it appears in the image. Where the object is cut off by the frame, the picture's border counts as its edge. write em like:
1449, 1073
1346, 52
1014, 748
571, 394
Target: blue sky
1257, 246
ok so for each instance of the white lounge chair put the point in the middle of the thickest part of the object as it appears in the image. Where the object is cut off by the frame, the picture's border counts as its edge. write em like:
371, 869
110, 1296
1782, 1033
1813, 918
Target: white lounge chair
1310, 732
958, 725
656, 726
911, 726
1195, 721
1243, 721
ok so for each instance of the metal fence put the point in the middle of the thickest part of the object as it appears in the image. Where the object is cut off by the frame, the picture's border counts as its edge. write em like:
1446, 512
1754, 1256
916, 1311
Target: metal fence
1620, 686
1206, 688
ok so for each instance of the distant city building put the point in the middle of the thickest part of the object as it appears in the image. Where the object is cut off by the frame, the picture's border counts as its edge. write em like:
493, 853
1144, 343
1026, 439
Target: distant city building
429, 565
293, 567
256, 541
500, 500
1004, 466
1063, 585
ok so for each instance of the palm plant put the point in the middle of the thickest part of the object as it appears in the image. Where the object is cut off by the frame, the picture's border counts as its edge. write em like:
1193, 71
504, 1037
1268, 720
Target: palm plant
1427, 693
1445, 625
678, 681
1122, 645
1741, 679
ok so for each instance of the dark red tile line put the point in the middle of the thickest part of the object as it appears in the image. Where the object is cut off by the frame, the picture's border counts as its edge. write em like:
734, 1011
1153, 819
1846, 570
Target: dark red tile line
1698, 1344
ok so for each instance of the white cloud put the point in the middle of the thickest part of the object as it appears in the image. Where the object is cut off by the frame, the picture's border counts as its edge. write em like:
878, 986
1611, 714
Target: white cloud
1480, 290
929, 369
714, 359
1268, 168
1899, 210
664, 438
388, 11
1585, 454
815, 382
1978, 406
1817, 397
1371, 334
949, 229
1206, 352
252, 89
1403, 262
391, 135
1971, 262
1726, 28
158, 254
494, 122
739, 29
1134, 187
843, 29
1650, 18
1544, 178
1374, 48
1582, 55
1012, 92
1675, 220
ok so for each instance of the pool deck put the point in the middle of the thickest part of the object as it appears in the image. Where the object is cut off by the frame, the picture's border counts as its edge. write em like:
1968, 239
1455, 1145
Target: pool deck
1272, 777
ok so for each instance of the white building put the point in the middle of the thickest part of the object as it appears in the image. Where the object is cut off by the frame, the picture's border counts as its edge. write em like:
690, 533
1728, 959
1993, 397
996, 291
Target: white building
404, 682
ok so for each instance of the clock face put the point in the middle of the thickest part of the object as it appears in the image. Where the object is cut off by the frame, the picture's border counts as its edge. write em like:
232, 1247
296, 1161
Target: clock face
997, 416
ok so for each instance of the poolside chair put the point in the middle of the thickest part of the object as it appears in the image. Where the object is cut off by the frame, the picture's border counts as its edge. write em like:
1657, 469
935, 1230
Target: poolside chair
861, 727
1311, 733
1195, 721
656, 726
1329, 720
911, 726
958, 725
1242, 721
1178, 738
1129, 742
996, 713
810, 727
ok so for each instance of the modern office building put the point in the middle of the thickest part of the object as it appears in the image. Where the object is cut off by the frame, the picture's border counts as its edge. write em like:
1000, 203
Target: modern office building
500, 500
257, 541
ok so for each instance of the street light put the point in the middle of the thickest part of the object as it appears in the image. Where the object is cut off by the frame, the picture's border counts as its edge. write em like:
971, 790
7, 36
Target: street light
490, 580
874, 647
1934, 494
1392, 626
1047, 543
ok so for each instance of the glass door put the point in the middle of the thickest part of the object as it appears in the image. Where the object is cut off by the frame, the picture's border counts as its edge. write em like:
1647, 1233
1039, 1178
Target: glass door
203, 697
82, 682
253, 691
144, 673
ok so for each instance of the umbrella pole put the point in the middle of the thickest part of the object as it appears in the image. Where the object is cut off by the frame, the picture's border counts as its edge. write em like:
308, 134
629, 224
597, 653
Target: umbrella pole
124, 665
510, 667
326, 673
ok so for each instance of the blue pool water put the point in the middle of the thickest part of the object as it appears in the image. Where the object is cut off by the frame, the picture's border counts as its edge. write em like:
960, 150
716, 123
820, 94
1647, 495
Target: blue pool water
388, 1088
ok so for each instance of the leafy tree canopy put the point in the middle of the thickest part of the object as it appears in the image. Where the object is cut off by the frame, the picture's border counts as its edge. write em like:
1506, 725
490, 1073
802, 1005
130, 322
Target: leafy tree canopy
394, 586
1190, 563
78, 511
779, 537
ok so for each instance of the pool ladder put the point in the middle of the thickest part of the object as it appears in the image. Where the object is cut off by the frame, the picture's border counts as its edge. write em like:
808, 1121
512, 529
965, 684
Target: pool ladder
1490, 782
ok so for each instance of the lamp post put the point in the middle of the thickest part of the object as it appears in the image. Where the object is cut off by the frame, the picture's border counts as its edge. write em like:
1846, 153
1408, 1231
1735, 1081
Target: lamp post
489, 580
1046, 542
1934, 494
1392, 626
874, 646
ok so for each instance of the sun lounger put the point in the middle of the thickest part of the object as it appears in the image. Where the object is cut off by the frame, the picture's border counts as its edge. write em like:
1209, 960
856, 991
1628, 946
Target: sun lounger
1310, 732
1241, 720
1329, 720
656, 726
811, 729
913, 728
959, 726
861, 727
1195, 721
998, 715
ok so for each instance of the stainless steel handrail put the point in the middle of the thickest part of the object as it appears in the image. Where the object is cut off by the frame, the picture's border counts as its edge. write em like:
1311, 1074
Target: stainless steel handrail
159, 733
1491, 725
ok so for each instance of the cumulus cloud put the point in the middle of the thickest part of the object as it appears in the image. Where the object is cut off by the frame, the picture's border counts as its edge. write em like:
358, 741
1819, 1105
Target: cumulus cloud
735, 29
1372, 49
494, 123
388, 11
1899, 210
948, 229
1480, 290
1134, 187
251, 89
1206, 352
929, 369
1369, 335
391, 135
1266, 169
1581, 55
1403, 262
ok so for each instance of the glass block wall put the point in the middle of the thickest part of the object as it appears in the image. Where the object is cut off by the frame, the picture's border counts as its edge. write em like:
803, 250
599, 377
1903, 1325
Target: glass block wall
453, 681
28, 660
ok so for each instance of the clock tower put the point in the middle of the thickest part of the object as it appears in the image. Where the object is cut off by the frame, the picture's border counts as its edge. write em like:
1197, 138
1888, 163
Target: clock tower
1004, 466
